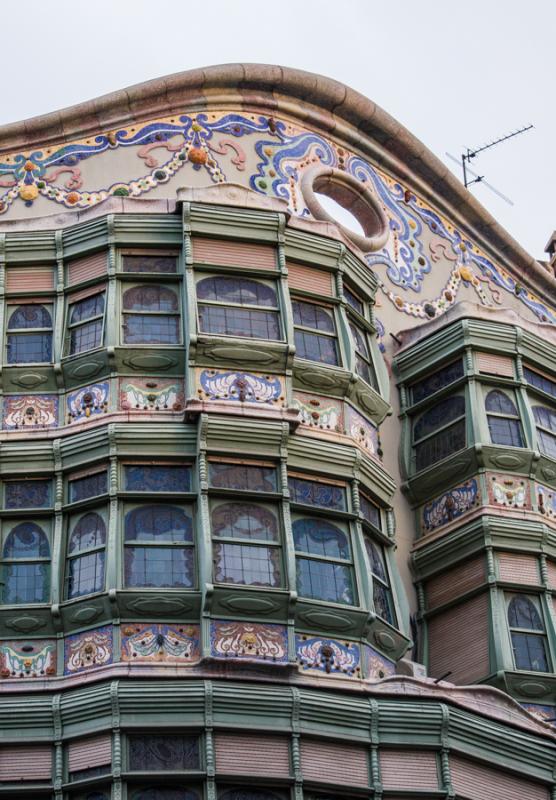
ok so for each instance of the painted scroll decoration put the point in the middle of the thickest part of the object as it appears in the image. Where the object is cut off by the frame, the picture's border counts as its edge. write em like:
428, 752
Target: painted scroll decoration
249, 641
87, 402
84, 651
22, 412
154, 394
240, 387
329, 656
451, 505
28, 659
160, 643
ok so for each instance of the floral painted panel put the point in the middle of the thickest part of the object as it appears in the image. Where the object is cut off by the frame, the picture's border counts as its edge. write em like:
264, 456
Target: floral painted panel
319, 412
240, 387
87, 402
35, 658
160, 643
509, 491
329, 656
83, 651
249, 641
451, 505
151, 394
27, 411
546, 500
362, 431
377, 666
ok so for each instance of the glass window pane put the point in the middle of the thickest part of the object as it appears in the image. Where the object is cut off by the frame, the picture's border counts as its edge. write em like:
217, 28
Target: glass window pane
239, 322
317, 494
154, 793
159, 567
440, 446
89, 532
237, 290
249, 477
500, 403
30, 316
438, 380
540, 382
246, 564
85, 309
86, 337
316, 348
249, 793
27, 494
89, 486
310, 315
529, 652
353, 301
159, 752
547, 443
383, 602
86, 574
523, 613
546, 417
360, 340
26, 540
25, 583
376, 558
157, 478
323, 580
364, 370
370, 512
244, 521
439, 415
158, 524
150, 297
151, 329
150, 263
26, 348
505, 431
321, 538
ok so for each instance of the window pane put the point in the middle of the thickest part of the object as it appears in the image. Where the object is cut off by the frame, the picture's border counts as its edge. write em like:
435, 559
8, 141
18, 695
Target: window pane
25, 348
370, 512
90, 486
500, 403
152, 329
364, 370
529, 652
89, 532
30, 316
360, 340
239, 322
321, 538
157, 478
153, 793
316, 348
505, 431
546, 417
159, 567
236, 290
376, 558
26, 540
86, 574
448, 441
149, 263
383, 602
249, 477
156, 752
317, 494
86, 337
540, 382
85, 309
244, 521
439, 415
547, 443
25, 583
245, 564
438, 380
354, 301
310, 315
522, 613
256, 794
150, 298
158, 524
27, 494
322, 580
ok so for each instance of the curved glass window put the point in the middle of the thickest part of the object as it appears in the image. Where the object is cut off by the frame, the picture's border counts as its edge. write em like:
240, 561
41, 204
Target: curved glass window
315, 332
545, 419
86, 324
159, 547
86, 546
151, 315
503, 420
26, 556
440, 431
29, 335
527, 633
254, 562
323, 555
382, 591
163, 752
238, 307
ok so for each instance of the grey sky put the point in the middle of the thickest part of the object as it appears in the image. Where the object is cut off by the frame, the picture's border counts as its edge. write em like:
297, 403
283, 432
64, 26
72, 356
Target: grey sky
454, 73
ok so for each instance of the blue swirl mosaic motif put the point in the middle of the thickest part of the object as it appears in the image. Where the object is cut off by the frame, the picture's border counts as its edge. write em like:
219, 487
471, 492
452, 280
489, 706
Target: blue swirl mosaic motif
451, 505
329, 656
240, 387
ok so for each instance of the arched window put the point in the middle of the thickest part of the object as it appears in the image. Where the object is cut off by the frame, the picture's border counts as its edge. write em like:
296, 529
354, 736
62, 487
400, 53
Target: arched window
26, 556
503, 419
382, 592
29, 337
238, 307
86, 546
159, 547
545, 420
242, 553
86, 323
315, 332
439, 432
527, 633
151, 315
324, 564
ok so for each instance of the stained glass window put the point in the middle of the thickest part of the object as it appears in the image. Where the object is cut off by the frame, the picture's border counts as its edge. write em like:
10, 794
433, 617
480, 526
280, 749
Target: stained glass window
85, 324
27, 494
370, 511
527, 633
155, 752
157, 478
503, 419
438, 380
363, 361
26, 557
29, 338
247, 477
314, 493
382, 592
353, 300
88, 486
545, 419
315, 332
540, 382
151, 315
232, 307
149, 263
158, 547
323, 555
86, 545
440, 431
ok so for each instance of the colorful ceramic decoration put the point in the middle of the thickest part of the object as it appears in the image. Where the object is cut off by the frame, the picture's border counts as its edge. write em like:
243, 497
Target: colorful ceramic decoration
87, 402
27, 411
35, 658
86, 650
546, 500
160, 643
319, 412
151, 394
546, 713
450, 505
240, 387
329, 656
249, 641
362, 431
508, 490
377, 666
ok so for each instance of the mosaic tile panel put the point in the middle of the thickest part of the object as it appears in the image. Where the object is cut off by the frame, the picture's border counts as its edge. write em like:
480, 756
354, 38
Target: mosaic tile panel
377, 666
319, 412
249, 641
333, 657
35, 658
151, 394
362, 431
87, 402
160, 643
28, 411
450, 505
240, 387
509, 491
83, 651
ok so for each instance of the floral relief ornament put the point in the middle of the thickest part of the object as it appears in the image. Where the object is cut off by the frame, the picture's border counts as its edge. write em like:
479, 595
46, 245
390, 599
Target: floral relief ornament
250, 641
86, 650
160, 643
32, 659
30, 411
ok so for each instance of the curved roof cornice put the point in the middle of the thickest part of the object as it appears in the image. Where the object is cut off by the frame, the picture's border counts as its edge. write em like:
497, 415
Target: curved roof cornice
319, 102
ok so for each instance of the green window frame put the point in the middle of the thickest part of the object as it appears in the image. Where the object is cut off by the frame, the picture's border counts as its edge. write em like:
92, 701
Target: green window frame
26, 554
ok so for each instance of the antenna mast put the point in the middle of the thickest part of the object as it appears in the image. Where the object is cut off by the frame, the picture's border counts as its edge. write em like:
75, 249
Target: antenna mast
466, 157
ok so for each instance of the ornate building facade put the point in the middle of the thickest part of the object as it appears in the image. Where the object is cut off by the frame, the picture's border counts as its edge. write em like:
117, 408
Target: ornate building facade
278, 498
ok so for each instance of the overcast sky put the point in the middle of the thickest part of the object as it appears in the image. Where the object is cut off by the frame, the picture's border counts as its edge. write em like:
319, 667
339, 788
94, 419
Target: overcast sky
457, 74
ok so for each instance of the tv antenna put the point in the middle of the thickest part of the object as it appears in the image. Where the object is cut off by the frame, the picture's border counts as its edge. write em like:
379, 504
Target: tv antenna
470, 154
